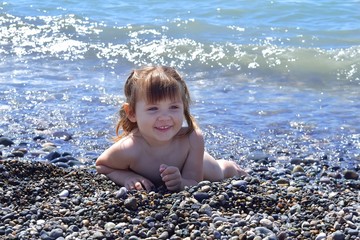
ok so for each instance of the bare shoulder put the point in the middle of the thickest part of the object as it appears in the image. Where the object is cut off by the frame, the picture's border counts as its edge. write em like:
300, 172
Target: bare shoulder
120, 154
196, 138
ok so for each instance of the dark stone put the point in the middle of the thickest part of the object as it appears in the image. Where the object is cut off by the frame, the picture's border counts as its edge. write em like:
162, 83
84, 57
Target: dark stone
52, 156
201, 196
130, 203
349, 174
37, 138
6, 141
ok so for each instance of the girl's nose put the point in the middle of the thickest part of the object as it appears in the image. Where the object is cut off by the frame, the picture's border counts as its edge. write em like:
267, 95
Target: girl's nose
164, 116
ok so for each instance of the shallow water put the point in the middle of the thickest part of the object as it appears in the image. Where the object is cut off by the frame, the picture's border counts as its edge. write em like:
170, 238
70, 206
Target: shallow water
256, 70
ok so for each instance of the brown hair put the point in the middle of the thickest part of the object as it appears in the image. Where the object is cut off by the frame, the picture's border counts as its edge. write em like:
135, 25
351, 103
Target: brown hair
154, 84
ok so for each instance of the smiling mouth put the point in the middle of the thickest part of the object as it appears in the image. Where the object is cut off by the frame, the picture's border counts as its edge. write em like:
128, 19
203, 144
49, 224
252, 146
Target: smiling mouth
163, 127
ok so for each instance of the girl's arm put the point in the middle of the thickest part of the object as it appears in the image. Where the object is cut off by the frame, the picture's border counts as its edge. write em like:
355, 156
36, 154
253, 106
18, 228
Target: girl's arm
192, 172
115, 164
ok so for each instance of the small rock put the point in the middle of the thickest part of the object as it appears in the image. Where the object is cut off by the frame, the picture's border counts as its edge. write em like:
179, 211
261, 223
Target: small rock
62, 135
109, 225
283, 182
239, 183
201, 196
338, 235
350, 174
56, 233
52, 156
18, 153
296, 161
121, 193
325, 180
265, 231
130, 203
320, 236
86, 222
297, 169
64, 193
205, 208
266, 223
257, 156
164, 235
97, 235
6, 141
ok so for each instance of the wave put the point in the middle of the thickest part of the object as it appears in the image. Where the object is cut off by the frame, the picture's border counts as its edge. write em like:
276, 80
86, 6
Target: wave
71, 38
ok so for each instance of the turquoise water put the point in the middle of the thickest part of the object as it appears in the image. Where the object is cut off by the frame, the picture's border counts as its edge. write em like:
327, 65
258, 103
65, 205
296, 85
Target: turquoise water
254, 68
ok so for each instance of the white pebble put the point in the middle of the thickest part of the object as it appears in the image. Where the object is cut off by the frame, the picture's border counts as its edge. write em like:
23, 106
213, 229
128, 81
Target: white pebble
266, 223
64, 193
109, 225
320, 236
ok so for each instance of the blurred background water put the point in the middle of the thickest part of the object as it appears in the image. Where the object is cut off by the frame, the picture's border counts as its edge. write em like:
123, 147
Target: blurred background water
256, 69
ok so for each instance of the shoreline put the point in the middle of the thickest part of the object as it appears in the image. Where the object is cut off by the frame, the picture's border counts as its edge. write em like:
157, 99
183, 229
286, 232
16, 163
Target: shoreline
43, 201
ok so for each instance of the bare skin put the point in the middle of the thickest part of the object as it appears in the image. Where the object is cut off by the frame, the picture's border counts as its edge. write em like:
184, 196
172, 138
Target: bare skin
158, 152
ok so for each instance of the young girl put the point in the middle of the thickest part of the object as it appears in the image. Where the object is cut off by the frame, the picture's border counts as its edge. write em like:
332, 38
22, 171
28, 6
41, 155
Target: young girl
155, 147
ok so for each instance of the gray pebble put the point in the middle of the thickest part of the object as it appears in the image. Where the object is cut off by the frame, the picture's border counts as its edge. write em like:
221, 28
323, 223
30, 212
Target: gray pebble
64, 193
56, 233
239, 183
121, 193
257, 156
338, 235
109, 225
200, 196
320, 236
266, 223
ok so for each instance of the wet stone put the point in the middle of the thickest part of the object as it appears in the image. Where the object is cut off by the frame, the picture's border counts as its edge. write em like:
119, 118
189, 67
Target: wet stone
200, 196
338, 235
298, 169
6, 141
131, 203
121, 193
258, 156
56, 233
62, 135
350, 174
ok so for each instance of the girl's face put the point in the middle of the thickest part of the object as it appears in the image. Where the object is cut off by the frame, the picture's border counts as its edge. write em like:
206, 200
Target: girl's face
159, 122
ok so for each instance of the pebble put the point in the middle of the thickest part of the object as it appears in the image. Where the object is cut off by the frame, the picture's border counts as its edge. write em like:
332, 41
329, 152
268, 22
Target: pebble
266, 223
320, 236
350, 174
6, 141
62, 135
121, 193
200, 196
64, 193
109, 225
56, 233
338, 235
298, 169
131, 203
257, 156
239, 183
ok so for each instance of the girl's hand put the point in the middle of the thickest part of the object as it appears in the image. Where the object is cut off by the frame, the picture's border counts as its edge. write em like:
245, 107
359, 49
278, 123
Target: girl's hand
171, 176
138, 183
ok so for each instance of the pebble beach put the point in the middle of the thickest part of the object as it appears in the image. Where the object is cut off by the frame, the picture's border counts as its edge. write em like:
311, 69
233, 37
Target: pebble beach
286, 196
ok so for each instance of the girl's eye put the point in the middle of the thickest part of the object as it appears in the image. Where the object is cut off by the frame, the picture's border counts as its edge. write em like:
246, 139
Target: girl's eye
174, 107
152, 109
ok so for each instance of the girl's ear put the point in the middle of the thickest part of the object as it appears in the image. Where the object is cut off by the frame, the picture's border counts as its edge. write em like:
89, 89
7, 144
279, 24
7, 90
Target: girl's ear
129, 113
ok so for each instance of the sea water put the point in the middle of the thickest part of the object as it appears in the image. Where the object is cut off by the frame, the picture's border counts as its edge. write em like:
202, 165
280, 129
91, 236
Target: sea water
255, 69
